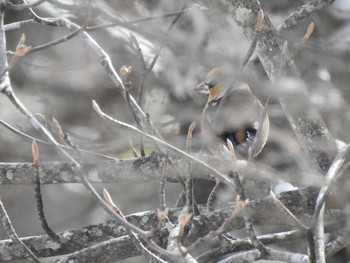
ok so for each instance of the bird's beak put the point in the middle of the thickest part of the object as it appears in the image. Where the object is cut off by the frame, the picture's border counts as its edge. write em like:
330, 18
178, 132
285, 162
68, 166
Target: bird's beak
202, 88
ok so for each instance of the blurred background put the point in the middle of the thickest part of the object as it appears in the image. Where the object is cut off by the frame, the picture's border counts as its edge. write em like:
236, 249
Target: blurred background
61, 81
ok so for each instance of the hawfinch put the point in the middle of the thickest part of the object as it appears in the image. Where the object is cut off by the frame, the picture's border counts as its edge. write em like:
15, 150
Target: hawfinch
233, 113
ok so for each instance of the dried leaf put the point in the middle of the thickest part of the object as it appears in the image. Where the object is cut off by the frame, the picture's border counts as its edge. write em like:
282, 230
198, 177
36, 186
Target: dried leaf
22, 49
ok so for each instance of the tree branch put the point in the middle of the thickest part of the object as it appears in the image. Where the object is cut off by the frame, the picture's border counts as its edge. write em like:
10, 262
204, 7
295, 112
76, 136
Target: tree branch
262, 212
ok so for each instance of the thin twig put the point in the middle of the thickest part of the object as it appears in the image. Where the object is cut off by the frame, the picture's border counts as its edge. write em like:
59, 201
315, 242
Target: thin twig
136, 119
19, 24
260, 19
336, 170
23, 6
133, 150
287, 213
212, 196
145, 67
238, 209
162, 184
38, 197
302, 13
137, 21
159, 50
319, 238
30, 139
189, 179
13, 235
241, 193
175, 235
57, 41
311, 244
245, 244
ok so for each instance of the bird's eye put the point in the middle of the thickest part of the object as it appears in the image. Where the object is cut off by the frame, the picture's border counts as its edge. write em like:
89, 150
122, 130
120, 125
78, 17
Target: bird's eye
211, 84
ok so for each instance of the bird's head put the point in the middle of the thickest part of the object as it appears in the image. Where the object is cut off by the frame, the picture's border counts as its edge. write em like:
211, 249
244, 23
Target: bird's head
213, 84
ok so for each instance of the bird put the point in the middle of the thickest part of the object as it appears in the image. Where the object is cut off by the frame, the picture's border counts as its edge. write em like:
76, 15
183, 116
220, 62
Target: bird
232, 113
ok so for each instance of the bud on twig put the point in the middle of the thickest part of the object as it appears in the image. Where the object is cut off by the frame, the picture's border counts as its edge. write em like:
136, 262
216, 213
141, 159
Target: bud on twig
259, 21
98, 110
125, 71
191, 129
22, 49
109, 200
35, 152
310, 29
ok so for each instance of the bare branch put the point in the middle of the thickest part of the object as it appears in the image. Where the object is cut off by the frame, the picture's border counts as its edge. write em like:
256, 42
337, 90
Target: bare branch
162, 201
38, 197
319, 238
13, 235
23, 6
262, 212
302, 13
